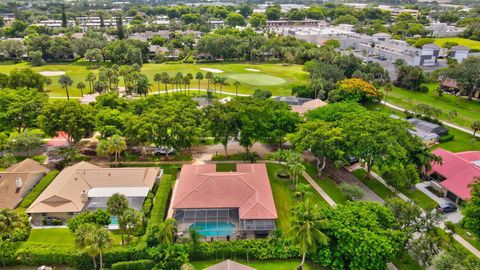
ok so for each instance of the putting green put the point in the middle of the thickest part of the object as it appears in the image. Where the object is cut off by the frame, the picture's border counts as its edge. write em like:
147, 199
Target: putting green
257, 79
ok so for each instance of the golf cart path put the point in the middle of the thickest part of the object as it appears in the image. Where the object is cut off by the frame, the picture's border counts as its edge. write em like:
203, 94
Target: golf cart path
443, 122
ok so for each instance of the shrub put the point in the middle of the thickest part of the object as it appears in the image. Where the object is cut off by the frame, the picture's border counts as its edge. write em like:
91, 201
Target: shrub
450, 225
99, 217
160, 206
134, 265
352, 192
423, 89
147, 204
32, 196
446, 138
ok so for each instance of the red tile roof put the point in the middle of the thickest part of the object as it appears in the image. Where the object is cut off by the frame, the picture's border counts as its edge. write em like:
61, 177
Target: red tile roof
458, 170
200, 186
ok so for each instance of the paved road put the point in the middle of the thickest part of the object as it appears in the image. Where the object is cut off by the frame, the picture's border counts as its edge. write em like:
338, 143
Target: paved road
443, 122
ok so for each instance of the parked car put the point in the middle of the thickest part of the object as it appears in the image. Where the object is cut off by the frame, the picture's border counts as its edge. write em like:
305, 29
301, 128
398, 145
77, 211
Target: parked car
382, 58
446, 207
163, 150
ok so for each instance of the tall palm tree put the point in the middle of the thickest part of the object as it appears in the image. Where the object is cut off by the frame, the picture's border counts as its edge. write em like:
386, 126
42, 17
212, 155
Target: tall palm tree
130, 220
90, 79
116, 205
157, 78
187, 82
101, 241
65, 82
215, 82
190, 78
305, 229
9, 221
167, 231
388, 87
179, 79
165, 80
209, 77
222, 81
81, 86
199, 77
117, 145
83, 240
475, 126
236, 84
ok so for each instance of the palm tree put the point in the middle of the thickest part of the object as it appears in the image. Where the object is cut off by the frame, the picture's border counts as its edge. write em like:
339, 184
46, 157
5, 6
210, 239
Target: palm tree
178, 79
236, 84
116, 205
101, 241
130, 220
209, 77
305, 229
157, 78
165, 80
388, 87
186, 81
90, 79
83, 240
117, 145
199, 77
222, 81
9, 221
65, 82
167, 231
81, 86
215, 82
190, 78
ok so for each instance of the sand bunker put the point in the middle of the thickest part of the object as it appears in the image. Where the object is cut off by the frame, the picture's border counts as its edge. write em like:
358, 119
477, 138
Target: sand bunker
213, 70
51, 73
252, 69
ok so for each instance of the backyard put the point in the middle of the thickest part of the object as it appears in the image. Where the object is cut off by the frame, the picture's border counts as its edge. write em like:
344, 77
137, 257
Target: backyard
262, 265
277, 78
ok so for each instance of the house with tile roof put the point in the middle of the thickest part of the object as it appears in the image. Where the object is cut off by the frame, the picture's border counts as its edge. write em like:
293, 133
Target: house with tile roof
224, 204
453, 176
18, 180
229, 265
85, 186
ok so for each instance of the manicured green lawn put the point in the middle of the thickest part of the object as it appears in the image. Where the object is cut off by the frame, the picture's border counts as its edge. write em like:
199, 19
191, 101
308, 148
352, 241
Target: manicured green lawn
226, 167
420, 198
472, 44
263, 265
280, 76
374, 185
468, 111
284, 196
473, 240
327, 184
62, 236
405, 262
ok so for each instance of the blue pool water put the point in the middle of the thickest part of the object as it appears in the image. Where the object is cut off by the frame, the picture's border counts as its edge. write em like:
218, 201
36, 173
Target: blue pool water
212, 229
113, 220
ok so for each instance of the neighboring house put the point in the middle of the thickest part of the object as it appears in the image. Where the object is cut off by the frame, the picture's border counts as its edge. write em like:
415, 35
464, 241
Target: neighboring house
451, 86
307, 106
86, 186
430, 133
428, 56
455, 174
224, 204
459, 53
18, 180
229, 265
292, 101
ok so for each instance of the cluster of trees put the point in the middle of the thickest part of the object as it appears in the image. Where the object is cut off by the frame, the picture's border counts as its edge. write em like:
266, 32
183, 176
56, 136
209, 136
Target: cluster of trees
344, 131
330, 67
25, 77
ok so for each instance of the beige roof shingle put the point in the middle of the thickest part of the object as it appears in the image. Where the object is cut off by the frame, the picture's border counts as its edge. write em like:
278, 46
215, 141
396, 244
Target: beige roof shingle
229, 265
64, 193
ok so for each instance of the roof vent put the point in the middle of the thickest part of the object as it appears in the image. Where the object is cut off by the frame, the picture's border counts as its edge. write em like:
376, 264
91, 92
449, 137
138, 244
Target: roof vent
19, 182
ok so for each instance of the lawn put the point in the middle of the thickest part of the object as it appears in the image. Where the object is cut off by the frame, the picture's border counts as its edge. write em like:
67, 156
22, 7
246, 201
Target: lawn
284, 196
472, 239
226, 167
327, 184
263, 265
420, 198
405, 262
277, 78
377, 187
467, 111
472, 44
61, 236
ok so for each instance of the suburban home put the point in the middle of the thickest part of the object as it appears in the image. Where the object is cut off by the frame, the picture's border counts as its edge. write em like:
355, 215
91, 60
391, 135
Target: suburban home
307, 106
229, 265
224, 204
18, 180
85, 186
430, 133
451, 86
454, 175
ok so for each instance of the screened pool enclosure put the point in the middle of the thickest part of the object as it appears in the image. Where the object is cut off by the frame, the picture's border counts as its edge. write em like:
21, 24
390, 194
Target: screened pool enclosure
221, 223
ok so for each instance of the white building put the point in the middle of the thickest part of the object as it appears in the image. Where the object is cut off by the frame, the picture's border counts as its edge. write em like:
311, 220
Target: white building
444, 30
428, 56
459, 53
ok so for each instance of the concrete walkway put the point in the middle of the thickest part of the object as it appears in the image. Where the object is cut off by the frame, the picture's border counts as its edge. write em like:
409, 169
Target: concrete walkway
320, 191
466, 130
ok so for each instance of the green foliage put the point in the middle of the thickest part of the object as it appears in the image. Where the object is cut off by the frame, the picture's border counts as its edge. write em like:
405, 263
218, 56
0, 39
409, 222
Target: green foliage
410, 77
446, 138
133, 265
99, 217
471, 210
38, 189
162, 197
353, 192
36, 58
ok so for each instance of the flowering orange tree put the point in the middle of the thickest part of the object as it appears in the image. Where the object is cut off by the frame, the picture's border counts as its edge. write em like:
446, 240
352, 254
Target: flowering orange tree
355, 89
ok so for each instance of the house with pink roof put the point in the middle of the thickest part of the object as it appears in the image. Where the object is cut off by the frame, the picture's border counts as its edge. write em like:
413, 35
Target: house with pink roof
224, 204
455, 174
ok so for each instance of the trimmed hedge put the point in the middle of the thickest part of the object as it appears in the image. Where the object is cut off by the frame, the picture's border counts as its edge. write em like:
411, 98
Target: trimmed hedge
162, 197
134, 265
446, 138
46, 180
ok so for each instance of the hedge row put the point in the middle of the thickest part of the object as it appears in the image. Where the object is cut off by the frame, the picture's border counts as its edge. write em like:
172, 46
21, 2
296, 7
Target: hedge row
446, 138
134, 265
162, 197
32, 196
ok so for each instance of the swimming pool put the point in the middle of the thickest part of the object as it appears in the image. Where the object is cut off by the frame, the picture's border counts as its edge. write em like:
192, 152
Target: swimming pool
214, 229
113, 220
